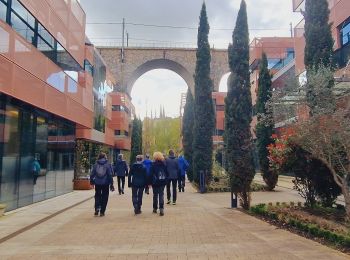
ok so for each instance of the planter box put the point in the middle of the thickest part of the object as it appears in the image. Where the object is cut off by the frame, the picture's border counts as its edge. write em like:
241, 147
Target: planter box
2, 209
82, 184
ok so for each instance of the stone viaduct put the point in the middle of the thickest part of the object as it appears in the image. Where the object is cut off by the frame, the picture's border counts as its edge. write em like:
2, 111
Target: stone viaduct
137, 61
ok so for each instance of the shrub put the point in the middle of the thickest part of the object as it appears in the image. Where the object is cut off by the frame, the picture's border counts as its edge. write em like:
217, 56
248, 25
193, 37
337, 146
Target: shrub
313, 180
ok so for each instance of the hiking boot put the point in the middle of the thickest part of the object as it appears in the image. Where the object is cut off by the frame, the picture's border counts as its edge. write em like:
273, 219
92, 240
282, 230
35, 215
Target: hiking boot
174, 203
169, 201
154, 210
161, 212
96, 212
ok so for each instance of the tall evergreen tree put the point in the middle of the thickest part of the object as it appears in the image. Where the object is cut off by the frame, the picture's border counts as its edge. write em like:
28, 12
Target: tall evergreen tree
238, 112
318, 49
136, 139
263, 131
187, 132
204, 111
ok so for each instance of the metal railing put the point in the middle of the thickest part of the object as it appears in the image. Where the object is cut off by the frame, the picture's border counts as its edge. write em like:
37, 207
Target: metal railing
148, 45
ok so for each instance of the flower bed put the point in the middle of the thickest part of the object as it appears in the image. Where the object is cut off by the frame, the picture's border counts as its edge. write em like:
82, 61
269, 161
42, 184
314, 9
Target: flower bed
325, 225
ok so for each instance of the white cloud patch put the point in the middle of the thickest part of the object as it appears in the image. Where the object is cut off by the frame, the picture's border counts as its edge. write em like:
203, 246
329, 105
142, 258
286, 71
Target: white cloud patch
161, 87
158, 88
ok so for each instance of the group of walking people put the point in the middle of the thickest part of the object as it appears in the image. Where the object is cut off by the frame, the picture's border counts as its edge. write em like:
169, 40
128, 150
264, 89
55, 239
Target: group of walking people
162, 172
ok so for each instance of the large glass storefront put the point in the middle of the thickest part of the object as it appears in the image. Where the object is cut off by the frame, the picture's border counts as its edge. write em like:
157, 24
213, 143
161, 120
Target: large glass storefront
36, 154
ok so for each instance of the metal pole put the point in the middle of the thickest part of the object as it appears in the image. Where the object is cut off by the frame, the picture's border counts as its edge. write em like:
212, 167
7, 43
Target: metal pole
233, 199
127, 39
123, 34
291, 30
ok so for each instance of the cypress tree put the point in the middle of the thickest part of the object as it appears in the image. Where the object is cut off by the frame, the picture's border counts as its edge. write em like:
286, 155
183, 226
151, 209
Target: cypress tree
187, 132
263, 131
136, 140
238, 112
318, 49
203, 104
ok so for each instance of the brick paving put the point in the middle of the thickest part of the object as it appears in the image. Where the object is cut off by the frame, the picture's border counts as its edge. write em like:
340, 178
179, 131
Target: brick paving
198, 227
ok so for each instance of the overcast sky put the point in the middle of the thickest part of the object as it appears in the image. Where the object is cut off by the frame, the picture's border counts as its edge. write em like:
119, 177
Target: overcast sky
265, 18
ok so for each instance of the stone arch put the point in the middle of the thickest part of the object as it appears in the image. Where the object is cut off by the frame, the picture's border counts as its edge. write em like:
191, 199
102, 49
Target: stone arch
224, 80
160, 64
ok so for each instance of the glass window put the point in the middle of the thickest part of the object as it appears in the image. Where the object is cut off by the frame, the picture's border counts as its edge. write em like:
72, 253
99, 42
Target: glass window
3, 10
10, 153
23, 13
43, 33
22, 28
66, 62
46, 49
220, 107
272, 62
72, 85
126, 133
57, 80
345, 32
115, 108
88, 67
116, 132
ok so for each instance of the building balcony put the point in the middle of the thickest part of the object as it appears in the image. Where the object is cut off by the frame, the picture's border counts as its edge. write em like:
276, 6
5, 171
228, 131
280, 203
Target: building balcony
122, 143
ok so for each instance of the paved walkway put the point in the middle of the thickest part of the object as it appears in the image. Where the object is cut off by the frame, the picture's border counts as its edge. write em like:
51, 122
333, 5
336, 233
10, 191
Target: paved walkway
198, 227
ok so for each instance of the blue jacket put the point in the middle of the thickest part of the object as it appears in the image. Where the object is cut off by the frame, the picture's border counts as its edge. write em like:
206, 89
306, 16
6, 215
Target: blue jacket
137, 176
172, 167
107, 178
183, 164
120, 168
147, 163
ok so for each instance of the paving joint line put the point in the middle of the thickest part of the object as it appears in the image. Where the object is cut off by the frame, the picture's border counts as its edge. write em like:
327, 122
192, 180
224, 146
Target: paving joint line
40, 221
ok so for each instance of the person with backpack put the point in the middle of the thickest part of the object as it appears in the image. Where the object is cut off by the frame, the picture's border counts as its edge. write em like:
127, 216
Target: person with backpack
159, 177
147, 163
173, 170
137, 181
35, 168
101, 177
183, 165
121, 170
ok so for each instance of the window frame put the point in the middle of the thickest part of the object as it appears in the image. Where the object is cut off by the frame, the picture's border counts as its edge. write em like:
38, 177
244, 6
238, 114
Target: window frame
341, 35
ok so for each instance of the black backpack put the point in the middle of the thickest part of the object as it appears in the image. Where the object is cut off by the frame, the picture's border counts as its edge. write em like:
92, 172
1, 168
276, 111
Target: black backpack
159, 178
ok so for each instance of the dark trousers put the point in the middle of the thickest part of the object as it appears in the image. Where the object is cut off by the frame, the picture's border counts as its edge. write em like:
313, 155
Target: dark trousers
172, 182
182, 183
121, 180
158, 196
101, 197
137, 194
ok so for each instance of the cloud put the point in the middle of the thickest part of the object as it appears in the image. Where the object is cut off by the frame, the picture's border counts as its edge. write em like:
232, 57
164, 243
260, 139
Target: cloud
221, 14
161, 87
158, 88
